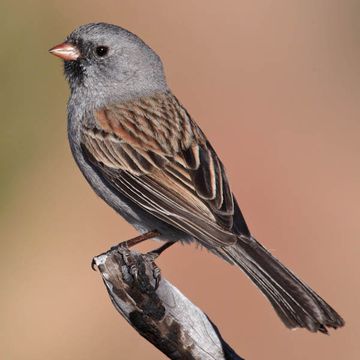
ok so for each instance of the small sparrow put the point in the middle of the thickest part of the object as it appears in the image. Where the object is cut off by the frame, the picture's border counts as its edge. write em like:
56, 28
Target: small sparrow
143, 154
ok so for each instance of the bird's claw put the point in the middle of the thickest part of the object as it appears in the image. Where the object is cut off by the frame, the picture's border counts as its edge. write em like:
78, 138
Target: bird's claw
93, 264
156, 275
156, 272
134, 271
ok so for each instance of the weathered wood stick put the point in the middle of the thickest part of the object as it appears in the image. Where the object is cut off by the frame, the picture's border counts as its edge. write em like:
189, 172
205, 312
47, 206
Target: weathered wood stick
164, 316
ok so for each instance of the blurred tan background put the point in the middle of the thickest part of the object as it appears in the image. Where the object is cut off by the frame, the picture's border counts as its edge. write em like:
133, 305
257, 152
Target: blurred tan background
276, 87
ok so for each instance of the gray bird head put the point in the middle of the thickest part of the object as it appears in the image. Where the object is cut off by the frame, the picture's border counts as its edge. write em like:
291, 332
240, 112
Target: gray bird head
106, 63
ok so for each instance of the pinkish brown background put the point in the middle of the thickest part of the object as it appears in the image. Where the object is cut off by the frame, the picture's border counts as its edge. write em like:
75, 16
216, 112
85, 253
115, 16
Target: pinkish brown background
276, 87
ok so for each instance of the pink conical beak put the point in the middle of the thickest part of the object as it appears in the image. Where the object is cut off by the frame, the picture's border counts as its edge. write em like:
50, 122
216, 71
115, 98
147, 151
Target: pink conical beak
65, 51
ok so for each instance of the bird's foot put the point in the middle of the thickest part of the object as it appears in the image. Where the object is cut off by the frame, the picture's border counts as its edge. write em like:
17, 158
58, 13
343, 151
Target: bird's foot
137, 265
151, 256
156, 272
130, 261
139, 268
128, 244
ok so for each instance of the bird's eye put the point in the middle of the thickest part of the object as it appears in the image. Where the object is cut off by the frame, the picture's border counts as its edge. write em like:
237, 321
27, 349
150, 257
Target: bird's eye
101, 51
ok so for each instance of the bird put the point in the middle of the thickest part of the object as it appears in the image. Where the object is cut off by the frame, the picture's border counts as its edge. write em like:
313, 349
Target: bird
146, 157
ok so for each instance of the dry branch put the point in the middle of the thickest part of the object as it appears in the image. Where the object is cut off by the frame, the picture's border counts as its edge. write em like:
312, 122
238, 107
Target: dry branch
165, 317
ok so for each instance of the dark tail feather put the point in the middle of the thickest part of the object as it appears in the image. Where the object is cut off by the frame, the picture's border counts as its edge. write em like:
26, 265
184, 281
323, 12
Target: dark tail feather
295, 303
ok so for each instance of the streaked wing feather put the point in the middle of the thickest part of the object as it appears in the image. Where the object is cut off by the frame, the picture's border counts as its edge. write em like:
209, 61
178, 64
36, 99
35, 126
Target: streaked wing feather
204, 176
167, 203
152, 152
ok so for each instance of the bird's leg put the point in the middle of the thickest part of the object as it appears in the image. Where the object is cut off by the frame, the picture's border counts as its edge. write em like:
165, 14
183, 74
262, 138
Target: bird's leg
127, 244
138, 239
157, 252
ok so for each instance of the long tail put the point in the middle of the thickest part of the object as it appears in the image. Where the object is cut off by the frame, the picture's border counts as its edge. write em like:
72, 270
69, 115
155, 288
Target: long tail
295, 303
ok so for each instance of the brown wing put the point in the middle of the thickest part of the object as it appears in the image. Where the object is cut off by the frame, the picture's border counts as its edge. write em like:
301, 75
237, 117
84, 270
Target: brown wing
152, 152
